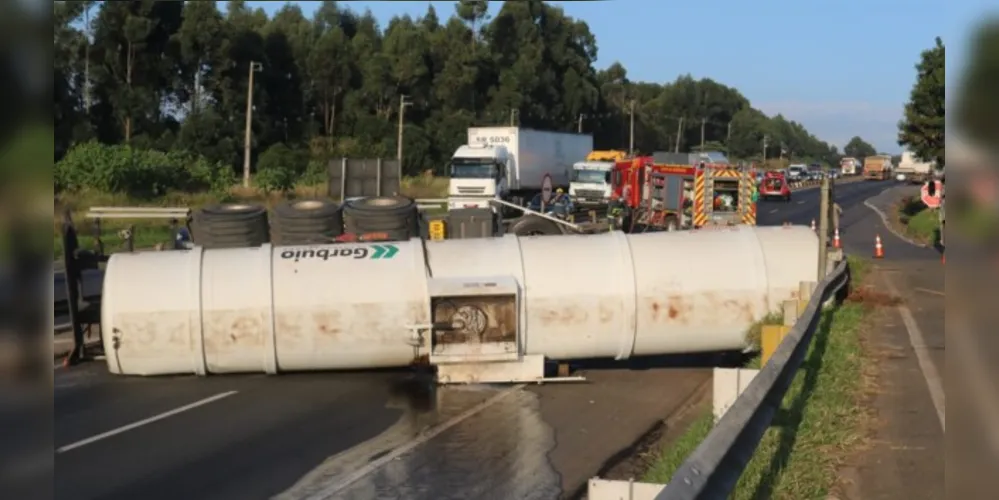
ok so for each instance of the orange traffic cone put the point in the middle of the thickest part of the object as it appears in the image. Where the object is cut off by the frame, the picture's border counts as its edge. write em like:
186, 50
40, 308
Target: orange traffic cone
879, 251
836, 242
943, 258
813, 225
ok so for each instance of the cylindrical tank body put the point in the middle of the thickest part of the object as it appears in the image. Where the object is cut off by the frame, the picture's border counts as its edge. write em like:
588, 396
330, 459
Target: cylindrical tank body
347, 306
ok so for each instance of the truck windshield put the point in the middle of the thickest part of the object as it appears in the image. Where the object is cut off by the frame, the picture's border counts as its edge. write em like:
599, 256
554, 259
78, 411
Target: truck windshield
591, 176
473, 169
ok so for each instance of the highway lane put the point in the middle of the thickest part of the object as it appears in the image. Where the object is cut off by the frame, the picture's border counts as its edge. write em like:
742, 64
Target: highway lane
247, 437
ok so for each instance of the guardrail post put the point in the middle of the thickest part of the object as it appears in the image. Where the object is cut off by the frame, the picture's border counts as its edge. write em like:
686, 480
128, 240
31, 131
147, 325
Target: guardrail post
825, 192
772, 335
805, 289
790, 308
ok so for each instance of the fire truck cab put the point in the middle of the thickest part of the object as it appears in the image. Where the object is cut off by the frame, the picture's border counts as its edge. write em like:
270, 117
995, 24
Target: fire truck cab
674, 197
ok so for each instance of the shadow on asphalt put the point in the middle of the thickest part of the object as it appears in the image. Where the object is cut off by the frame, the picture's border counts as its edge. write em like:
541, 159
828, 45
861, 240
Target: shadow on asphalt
722, 359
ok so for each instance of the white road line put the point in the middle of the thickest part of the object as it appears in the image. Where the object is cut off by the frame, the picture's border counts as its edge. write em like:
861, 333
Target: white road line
773, 211
918, 342
888, 226
801, 202
331, 490
140, 423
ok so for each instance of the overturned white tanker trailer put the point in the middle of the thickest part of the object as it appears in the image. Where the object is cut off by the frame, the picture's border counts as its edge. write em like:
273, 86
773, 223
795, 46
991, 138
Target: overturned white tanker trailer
487, 309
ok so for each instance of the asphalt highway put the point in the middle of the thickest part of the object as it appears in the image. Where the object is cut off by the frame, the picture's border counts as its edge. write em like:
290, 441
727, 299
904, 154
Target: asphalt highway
384, 434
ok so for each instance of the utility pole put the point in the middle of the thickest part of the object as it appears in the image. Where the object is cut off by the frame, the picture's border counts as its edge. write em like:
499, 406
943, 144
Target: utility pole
703, 122
765, 138
679, 133
514, 114
631, 132
255, 67
728, 137
579, 124
403, 104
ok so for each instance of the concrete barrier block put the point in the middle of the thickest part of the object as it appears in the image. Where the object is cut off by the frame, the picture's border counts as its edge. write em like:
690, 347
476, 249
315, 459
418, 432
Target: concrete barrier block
607, 489
727, 385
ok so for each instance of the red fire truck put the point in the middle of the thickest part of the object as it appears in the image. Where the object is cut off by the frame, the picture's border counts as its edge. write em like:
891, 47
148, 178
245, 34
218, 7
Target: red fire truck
674, 197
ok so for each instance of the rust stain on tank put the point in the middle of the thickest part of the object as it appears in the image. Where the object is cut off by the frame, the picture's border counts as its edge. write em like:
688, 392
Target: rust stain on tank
327, 323
674, 308
242, 328
606, 313
741, 308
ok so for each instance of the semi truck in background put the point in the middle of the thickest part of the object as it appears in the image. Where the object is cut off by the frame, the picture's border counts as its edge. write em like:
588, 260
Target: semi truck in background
913, 169
590, 183
510, 164
849, 166
877, 168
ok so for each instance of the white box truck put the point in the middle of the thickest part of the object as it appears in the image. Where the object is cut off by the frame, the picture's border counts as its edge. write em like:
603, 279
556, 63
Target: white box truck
510, 163
849, 166
913, 169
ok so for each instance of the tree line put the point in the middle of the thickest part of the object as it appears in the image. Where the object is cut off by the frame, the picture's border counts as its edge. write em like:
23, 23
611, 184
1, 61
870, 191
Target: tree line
165, 76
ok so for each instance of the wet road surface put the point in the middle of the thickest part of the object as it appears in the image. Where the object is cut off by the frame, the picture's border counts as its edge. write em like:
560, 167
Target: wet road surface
387, 434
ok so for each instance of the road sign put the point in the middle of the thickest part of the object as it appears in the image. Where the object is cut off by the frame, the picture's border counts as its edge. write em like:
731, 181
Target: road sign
384, 251
546, 188
436, 230
931, 201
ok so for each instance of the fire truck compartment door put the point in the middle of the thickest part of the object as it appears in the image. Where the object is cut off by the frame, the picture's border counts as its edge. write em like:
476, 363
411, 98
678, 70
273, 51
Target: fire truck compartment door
673, 193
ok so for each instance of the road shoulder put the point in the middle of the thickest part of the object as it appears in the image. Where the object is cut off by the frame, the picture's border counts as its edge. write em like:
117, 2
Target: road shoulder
903, 453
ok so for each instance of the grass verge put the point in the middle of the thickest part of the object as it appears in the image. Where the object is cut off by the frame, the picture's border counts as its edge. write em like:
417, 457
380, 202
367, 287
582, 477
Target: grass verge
818, 423
918, 222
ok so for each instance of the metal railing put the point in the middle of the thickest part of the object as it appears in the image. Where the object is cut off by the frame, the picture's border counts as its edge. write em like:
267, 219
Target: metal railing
713, 469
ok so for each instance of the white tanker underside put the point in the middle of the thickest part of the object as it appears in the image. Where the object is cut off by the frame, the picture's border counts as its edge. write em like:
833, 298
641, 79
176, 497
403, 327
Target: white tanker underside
481, 310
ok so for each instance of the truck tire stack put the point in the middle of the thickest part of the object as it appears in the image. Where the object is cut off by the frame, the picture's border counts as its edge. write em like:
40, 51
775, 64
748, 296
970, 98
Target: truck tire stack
397, 217
231, 226
304, 222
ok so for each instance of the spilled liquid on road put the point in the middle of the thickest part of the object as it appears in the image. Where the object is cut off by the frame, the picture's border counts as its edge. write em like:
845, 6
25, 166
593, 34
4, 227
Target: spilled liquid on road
500, 451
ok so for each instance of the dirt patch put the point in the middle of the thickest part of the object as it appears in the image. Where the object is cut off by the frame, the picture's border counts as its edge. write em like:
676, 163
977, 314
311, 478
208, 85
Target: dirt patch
869, 296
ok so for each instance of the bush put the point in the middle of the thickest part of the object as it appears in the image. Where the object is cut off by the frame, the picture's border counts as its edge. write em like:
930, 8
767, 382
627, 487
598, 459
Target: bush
134, 171
280, 167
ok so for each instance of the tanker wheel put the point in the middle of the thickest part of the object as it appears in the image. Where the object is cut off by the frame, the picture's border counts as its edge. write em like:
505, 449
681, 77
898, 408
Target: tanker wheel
534, 226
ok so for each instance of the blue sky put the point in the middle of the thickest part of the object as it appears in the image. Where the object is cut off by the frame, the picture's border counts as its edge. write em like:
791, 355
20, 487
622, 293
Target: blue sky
842, 68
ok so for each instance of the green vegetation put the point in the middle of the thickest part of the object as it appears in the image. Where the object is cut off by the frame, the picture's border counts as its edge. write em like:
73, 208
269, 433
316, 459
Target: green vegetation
920, 223
922, 128
820, 418
163, 120
169, 81
859, 149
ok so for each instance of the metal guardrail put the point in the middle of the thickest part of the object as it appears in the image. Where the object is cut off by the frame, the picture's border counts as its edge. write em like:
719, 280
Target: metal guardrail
713, 469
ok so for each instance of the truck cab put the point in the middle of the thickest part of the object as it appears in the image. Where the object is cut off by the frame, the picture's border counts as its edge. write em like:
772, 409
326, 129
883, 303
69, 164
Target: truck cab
477, 173
590, 182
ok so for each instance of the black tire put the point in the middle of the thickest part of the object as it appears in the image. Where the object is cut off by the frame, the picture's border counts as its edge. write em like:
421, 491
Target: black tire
231, 226
308, 221
396, 215
534, 226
